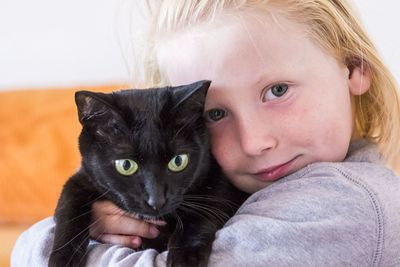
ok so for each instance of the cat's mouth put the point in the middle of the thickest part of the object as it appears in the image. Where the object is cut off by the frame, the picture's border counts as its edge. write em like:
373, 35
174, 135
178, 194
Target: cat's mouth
144, 212
147, 217
152, 215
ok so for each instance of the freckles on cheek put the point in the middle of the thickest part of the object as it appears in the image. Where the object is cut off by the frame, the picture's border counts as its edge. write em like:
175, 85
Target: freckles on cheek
220, 149
216, 147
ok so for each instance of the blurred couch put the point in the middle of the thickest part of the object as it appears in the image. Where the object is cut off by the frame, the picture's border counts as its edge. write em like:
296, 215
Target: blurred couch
38, 152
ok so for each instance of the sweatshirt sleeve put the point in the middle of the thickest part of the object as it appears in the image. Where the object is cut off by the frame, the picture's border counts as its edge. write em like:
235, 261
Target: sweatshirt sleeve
313, 221
324, 219
33, 248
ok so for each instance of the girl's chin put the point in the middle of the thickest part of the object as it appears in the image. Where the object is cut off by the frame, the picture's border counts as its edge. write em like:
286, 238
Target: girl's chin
252, 185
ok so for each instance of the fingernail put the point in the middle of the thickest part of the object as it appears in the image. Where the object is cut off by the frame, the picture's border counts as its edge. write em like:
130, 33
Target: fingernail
157, 222
136, 241
154, 231
162, 223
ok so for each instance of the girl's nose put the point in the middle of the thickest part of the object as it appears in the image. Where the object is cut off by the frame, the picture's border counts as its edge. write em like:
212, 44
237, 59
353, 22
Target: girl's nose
254, 137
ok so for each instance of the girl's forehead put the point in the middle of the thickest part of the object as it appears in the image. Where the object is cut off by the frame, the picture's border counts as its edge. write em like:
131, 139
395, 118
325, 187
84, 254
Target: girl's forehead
236, 24
260, 40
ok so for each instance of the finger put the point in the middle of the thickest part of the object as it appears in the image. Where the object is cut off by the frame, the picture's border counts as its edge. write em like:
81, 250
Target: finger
123, 240
102, 207
123, 225
150, 221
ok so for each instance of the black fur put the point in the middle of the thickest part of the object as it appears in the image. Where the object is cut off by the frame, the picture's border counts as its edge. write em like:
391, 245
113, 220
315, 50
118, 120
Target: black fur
150, 127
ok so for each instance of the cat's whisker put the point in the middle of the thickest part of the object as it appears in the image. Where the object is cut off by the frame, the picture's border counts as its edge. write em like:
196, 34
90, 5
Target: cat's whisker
191, 209
213, 199
197, 212
77, 217
179, 221
188, 123
77, 235
206, 200
214, 212
79, 249
117, 213
85, 213
97, 198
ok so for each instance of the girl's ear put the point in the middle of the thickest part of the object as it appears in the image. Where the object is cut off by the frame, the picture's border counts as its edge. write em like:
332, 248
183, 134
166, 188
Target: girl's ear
360, 77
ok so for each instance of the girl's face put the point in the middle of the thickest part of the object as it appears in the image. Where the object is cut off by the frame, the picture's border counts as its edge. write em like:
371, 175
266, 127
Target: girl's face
277, 101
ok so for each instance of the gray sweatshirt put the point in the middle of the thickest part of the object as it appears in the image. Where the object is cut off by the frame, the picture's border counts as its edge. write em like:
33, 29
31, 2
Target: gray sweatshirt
326, 214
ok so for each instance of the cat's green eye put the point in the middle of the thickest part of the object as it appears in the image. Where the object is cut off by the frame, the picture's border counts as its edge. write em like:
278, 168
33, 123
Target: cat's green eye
178, 163
126, 166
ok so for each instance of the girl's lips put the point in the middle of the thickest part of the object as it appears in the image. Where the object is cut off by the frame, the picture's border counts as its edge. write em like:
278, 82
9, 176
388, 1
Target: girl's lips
275, 172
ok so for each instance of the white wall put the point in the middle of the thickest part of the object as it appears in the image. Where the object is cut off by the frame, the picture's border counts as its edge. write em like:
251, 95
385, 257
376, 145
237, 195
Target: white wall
75, 42
381, 19
59, 42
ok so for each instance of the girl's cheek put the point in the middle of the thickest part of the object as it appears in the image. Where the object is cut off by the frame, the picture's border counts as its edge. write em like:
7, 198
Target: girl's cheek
222, 147
215, 140
214, 143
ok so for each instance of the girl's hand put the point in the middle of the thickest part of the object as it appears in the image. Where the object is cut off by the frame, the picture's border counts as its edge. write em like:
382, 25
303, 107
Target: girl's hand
112, 225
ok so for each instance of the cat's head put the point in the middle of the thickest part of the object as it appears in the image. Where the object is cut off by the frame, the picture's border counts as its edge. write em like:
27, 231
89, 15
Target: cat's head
145, 148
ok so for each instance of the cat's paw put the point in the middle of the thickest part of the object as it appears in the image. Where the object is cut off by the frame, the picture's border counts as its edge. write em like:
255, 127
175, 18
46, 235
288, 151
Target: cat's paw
190, 256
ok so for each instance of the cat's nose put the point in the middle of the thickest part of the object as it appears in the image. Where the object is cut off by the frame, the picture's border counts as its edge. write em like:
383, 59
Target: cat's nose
156, 203
156, 192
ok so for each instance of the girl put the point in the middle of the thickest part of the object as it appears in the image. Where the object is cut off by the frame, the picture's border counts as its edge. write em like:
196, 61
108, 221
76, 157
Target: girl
301, 112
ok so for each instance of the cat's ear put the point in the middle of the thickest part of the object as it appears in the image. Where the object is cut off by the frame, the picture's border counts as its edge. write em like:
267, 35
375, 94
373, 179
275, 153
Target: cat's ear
97, 113
92, 105
191, 94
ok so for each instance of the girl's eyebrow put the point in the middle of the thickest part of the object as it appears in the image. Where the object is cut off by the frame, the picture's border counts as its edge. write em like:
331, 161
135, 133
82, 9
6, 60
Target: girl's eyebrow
258, 81
261, 80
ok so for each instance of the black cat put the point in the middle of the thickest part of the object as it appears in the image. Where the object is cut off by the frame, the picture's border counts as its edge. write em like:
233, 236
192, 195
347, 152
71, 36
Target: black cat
147, 151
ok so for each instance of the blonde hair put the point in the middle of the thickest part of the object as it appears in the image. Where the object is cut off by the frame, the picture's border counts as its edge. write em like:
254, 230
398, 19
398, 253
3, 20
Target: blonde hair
330, 23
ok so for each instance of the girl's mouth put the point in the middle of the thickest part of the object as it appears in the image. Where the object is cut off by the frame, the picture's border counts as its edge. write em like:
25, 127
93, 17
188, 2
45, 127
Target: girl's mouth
273, 173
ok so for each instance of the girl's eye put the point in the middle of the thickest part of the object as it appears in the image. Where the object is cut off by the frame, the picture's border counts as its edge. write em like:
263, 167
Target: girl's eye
178, 163
126, 166
215, 114
275, 91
